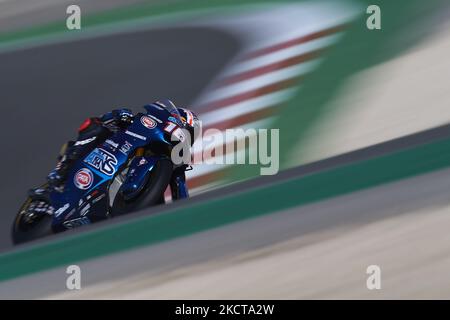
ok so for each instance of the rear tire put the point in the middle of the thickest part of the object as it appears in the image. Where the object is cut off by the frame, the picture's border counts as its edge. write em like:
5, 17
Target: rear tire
23, 232
151, 194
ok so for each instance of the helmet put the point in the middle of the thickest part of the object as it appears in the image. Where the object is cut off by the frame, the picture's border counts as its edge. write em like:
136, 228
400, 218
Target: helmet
191, 123
186, 118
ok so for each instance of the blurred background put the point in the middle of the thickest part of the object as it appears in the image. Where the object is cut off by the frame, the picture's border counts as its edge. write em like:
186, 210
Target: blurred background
364, 138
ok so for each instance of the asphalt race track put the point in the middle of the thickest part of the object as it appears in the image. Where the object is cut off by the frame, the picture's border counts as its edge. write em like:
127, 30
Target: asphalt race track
196, 267
46, 92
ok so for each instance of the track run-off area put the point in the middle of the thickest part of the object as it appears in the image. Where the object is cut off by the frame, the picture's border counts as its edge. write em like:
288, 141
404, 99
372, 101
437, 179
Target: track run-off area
308, 232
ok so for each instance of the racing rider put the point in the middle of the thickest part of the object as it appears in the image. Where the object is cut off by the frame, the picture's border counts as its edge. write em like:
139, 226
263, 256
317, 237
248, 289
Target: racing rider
96, 130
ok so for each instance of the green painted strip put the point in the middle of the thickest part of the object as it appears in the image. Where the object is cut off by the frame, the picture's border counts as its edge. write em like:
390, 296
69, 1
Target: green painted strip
132, 12
203, 216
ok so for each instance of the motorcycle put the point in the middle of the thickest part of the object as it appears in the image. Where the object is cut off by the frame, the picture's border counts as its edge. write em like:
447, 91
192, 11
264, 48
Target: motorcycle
129, 171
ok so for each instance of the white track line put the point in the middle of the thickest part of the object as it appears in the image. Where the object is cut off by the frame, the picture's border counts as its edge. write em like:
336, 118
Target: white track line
246, 106
282, 54
214, 134
260, 81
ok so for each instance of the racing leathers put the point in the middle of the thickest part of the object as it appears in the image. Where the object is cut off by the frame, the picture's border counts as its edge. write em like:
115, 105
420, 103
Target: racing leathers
91, 133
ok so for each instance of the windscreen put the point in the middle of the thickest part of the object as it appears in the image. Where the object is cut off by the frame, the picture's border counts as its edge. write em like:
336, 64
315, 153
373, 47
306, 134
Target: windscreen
170, 107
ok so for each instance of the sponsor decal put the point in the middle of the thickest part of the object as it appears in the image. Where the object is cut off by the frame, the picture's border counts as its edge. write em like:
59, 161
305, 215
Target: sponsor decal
85, 210
125, 148
83, 179
170, 126
98, 198
175, 120
103, 161
155, 118
177, 132
136, 135
83, 142
76, 222
148, 122
142, 162
62, 210
112, 143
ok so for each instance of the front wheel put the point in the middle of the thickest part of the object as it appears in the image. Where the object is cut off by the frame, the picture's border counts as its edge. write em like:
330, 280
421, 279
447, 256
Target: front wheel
157, 181
28, 227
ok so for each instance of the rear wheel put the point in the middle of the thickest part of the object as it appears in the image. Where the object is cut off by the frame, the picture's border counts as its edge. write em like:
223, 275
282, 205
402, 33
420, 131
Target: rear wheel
29, 226
157, 182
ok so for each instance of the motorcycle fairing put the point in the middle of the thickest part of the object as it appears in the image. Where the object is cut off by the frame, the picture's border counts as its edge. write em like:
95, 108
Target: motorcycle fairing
137, 176
93, 174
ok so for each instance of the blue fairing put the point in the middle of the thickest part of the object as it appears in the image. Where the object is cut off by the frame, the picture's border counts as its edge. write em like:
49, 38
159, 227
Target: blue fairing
136, 176
86, 198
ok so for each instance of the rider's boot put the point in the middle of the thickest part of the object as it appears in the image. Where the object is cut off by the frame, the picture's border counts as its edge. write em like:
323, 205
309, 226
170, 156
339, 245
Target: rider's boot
55, 181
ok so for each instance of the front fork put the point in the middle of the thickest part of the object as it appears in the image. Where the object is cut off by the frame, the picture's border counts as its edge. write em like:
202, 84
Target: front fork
140, 167
178, 186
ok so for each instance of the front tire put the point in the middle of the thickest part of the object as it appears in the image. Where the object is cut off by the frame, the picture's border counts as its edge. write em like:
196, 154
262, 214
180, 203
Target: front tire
151, 194
23, 231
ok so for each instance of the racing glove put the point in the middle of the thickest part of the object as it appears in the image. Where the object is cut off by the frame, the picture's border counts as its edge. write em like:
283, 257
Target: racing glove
124, 116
